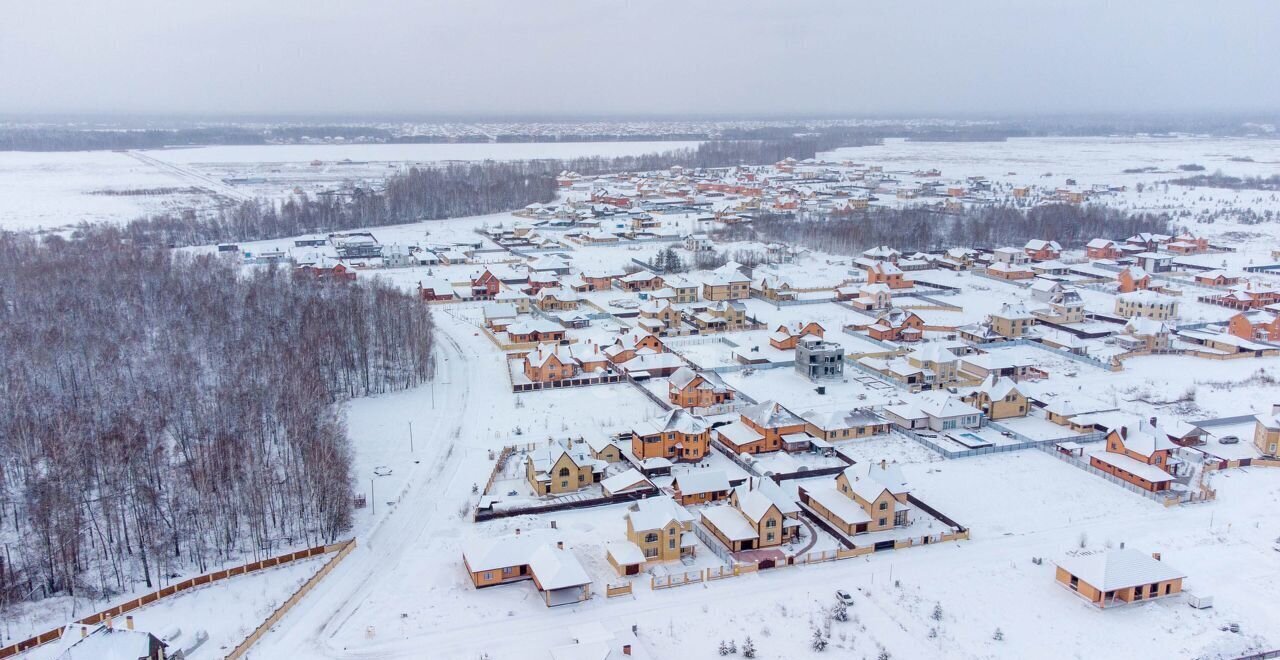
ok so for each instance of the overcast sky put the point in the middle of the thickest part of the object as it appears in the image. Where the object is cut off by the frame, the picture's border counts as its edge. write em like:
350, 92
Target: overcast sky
639, 57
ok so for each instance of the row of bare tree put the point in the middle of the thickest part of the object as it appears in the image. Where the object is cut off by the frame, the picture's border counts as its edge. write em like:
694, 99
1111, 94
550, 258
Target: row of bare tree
920, 228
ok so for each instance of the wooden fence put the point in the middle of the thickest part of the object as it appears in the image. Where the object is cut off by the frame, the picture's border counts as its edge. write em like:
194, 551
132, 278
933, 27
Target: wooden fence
679, 580
1210, 466
498, 466
344, 549
615, 590
173, 589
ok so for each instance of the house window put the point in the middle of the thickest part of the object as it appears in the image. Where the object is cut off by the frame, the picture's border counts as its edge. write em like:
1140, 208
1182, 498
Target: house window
671, 544
769, 537
564, 472
771, 523
884, 506
651, 538
564, 484
650, 553
488, 575
882, 522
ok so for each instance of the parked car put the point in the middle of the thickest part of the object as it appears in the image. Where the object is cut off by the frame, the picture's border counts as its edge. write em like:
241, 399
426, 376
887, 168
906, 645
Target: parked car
1228, 440
844, 597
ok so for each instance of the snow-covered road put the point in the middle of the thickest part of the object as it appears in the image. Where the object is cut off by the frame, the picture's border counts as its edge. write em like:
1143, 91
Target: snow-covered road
426, 504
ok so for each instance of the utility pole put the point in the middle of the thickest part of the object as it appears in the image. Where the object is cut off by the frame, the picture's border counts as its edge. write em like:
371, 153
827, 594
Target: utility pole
373, 499
410, 437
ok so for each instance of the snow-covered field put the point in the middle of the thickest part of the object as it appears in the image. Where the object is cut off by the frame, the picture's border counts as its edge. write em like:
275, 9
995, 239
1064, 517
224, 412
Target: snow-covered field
50, 190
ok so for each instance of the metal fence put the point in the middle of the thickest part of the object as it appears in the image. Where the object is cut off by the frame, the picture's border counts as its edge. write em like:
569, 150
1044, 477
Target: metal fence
717, 548
1163, 497
1082, 359
1023, 443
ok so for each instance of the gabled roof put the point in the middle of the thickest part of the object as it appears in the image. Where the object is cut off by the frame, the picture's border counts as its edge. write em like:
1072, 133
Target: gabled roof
1144, 439
624, 480
545, 352
997, 387
656, 512
933, 352
841, 419
678, 420
694, 482
943, 405
754, 504
770, 414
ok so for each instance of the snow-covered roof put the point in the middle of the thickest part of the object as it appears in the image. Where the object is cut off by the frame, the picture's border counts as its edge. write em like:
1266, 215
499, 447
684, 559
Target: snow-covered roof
731, 522
1118, 569
656, 512
753, 504
678, 420
770, 414
623, 553
624, 481
695, 482
839, 504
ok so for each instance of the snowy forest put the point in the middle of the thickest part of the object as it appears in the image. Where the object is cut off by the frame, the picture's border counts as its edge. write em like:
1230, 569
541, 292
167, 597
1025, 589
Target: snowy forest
165, 412
435, 193
921, 228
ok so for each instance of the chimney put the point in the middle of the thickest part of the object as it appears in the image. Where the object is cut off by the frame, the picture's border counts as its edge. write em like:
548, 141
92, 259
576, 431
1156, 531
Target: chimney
128, 622
1152, 421
560, 545
1155, 556
883, 464
1275, 409
110, 623
84, 631
517, 531
626, 649
1124, 432
553, 524
1122, 545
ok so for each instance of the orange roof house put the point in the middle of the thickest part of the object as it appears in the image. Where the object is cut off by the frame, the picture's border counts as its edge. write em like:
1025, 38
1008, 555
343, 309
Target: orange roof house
1039, 250
628, 344
689, 389
1102, 248
787, 334
677, 435
897, 325
764, 427
1138, 454
887, 273
1133, 278
1260, 325
549, 363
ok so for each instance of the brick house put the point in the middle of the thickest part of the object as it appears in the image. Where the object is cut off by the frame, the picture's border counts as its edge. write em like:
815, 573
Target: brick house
677, 435
689, 389
1138, 454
